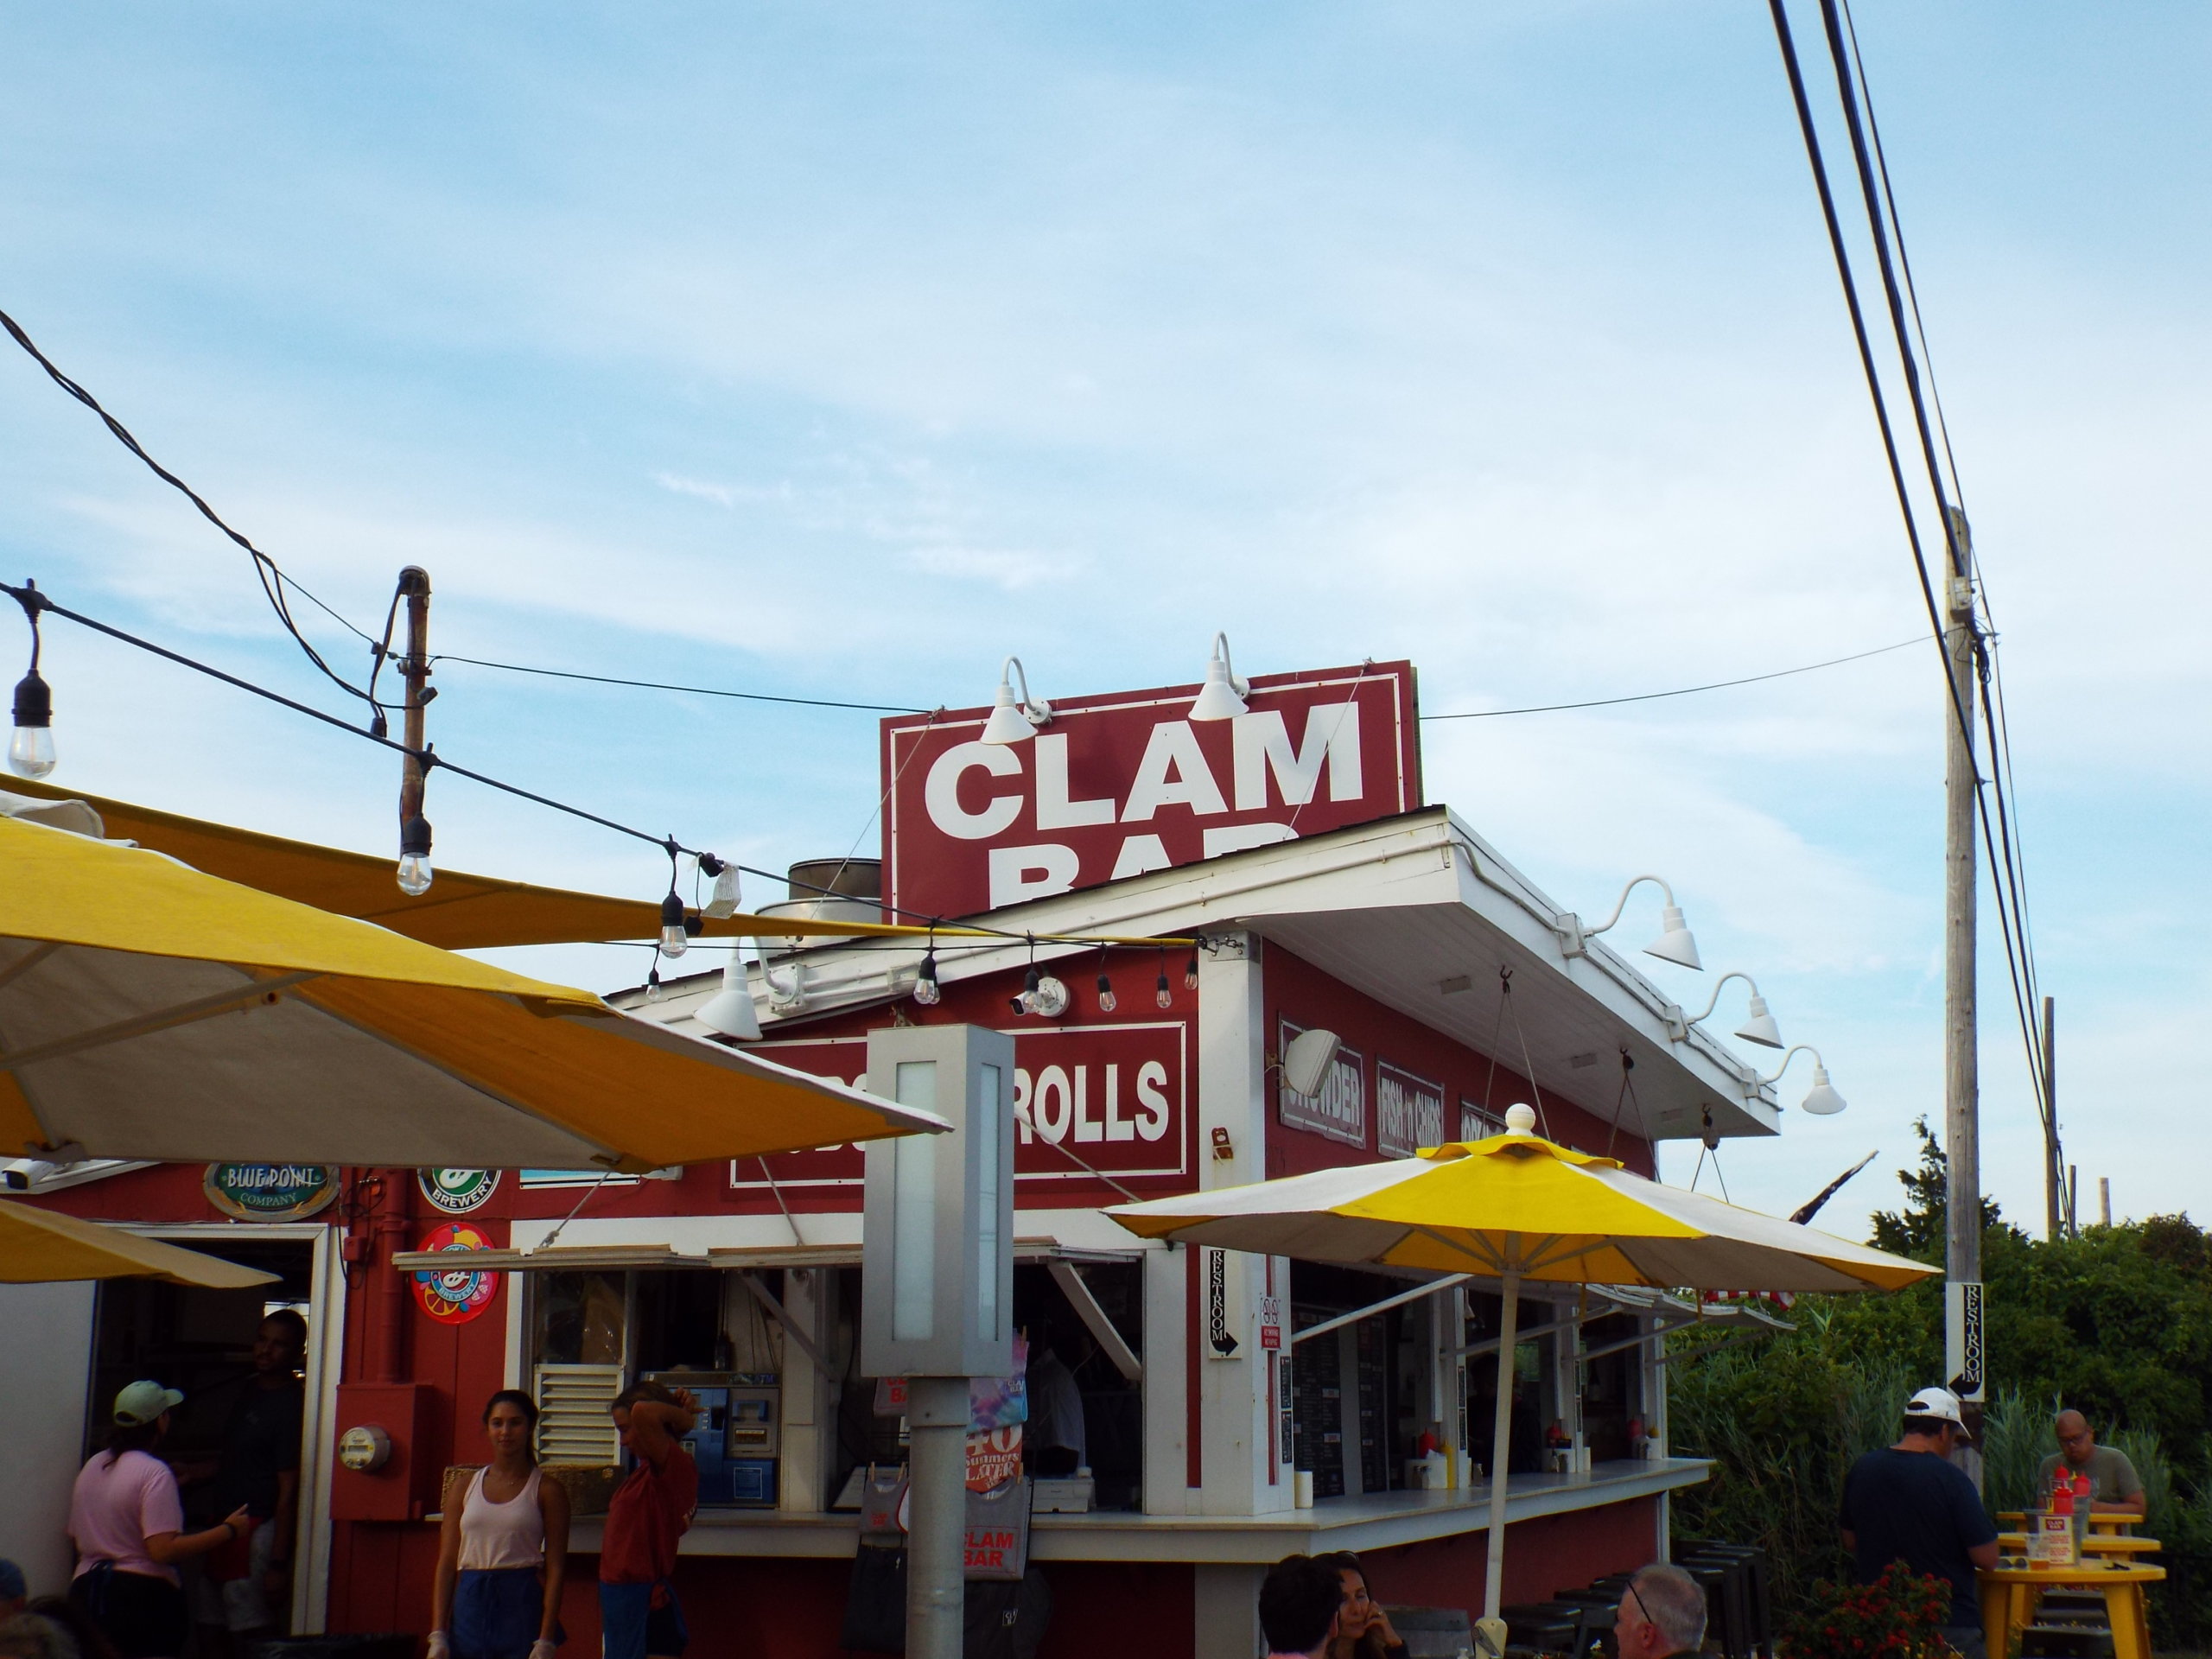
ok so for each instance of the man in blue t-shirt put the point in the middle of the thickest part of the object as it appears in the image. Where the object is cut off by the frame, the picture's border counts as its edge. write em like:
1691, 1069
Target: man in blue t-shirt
1910, 1503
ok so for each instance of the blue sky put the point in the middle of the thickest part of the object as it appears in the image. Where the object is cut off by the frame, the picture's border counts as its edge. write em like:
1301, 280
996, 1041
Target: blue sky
838, 351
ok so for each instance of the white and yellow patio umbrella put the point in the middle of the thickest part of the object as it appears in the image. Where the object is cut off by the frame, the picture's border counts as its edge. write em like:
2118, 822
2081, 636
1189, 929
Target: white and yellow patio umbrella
41, 1246
147, 1010
1522, 1208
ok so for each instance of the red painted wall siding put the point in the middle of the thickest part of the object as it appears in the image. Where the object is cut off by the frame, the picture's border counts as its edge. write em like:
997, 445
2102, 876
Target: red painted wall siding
1554, 1552
1295, 990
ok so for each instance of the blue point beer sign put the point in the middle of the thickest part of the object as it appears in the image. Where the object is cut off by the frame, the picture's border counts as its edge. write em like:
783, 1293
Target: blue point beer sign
271, 1191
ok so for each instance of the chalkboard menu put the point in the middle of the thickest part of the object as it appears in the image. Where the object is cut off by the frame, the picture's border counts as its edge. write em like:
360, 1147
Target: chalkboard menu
1316, 1402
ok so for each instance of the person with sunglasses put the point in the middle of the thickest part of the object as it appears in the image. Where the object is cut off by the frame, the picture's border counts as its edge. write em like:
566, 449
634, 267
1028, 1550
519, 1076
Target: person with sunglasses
1662, 1613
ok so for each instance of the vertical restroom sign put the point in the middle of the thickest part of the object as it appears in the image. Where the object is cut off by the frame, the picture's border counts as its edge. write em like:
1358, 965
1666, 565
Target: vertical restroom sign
1119, 784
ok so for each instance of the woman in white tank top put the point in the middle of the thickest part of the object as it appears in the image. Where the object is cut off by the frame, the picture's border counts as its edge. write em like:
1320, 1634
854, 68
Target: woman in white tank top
502, 1548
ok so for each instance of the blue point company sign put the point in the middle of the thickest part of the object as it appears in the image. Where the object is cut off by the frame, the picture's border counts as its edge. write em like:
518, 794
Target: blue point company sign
271, 1191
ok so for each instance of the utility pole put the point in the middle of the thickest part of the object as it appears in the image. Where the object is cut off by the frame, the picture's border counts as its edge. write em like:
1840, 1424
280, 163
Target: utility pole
2104, 1199
1964, 1346
414, 671
2051, 1179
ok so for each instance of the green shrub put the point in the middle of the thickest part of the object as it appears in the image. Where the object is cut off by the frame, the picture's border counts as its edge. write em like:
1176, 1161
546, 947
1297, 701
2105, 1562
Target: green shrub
1899, 1616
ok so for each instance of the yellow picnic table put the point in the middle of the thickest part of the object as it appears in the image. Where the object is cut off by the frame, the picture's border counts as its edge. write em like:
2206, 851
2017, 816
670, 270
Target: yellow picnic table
2010, 1591
2097, 1543
2099, 1521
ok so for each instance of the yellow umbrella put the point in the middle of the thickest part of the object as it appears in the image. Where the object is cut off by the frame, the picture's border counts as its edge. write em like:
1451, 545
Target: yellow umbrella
147, 1010
1522, 1208
40, 1247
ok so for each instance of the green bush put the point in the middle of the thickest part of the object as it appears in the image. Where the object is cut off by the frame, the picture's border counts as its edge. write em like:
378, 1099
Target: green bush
1899, 1616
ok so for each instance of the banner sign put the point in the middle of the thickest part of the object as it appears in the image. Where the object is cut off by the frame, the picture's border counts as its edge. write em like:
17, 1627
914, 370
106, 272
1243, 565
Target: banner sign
1119, 784
1339, 1111
996, 1545
270, 1191
1222, 1283
1963, 1353
1409, 1112
1118, 1096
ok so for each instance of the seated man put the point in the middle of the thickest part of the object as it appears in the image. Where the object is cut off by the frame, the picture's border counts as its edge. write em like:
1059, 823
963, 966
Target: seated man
1662, 1614
1300, 1600
2114, 1487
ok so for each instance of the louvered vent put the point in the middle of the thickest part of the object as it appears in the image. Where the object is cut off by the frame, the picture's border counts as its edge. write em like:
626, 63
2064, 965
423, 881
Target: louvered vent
573, 1425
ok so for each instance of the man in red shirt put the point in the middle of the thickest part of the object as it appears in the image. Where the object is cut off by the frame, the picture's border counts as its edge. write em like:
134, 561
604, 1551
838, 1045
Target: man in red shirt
639, 1615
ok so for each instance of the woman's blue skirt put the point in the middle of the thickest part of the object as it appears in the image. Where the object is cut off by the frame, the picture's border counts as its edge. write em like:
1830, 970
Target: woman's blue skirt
496, 1612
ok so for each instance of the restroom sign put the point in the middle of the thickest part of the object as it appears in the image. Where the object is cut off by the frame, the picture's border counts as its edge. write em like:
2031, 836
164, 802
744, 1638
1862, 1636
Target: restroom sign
1121, 785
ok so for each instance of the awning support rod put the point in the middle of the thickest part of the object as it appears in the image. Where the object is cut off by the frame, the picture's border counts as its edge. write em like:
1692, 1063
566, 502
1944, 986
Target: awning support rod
1388, 1302
1531, 1332
1094, 1317
774, 1309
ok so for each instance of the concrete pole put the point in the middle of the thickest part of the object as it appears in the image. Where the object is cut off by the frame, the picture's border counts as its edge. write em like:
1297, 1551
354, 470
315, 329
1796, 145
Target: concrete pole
1961, 1083
936, 1516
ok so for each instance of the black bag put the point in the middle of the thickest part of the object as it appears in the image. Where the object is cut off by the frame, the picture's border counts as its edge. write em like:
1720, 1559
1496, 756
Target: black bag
1007, 1620
875, 1601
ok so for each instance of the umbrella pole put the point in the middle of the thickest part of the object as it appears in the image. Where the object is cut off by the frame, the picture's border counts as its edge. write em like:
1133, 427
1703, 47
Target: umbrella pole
1501, 1435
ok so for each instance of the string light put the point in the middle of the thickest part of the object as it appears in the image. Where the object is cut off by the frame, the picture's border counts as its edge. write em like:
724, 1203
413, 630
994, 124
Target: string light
30, 748
1191, 973
653, 983
675, 938
1161, 994
415, 872
927, 989
1106, 1000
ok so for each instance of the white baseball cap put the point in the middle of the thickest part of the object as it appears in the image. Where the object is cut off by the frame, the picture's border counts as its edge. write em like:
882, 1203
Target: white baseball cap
143, 1402
1940, 1404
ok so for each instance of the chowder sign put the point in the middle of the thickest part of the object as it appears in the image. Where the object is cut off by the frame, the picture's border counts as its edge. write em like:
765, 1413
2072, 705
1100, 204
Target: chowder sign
270, 1191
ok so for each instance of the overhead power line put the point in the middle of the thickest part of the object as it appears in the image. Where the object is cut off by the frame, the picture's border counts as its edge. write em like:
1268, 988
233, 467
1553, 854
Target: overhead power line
663, 685
1680, 691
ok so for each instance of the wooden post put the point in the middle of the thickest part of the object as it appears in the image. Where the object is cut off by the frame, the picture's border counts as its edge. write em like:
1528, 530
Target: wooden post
1961, 1084
2053, 1225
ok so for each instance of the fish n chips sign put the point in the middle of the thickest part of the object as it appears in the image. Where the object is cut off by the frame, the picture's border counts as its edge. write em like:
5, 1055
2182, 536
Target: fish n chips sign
1116, 786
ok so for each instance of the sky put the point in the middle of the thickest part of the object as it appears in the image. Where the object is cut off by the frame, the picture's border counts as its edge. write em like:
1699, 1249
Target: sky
839, 351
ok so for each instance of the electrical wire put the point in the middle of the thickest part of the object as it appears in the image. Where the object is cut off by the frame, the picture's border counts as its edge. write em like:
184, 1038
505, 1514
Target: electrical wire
38, 603
273, 580
696, 690
1682, 691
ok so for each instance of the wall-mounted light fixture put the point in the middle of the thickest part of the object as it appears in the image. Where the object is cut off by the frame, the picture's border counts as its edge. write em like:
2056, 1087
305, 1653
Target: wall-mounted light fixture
1674, 944
1759, 1025
1221, 697
1821, 1099
1012, 721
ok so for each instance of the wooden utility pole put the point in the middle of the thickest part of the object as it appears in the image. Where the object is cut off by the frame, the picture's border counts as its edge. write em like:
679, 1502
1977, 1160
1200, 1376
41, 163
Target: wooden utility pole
414, 671
2053, 1225
1964, 1346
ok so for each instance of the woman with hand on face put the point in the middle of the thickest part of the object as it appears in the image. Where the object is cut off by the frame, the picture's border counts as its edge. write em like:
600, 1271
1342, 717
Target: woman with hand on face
1363, 1628
126, 1519
503, 1548
639, 1615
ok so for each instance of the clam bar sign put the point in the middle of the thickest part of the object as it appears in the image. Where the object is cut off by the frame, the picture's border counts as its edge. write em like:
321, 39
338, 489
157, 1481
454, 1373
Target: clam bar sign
1116, 1096
1116, 786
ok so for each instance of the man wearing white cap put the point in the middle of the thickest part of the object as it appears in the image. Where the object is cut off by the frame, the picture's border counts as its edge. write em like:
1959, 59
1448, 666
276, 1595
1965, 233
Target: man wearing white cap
1910, 1503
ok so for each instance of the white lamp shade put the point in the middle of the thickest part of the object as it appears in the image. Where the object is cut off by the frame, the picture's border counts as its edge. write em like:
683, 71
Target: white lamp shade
1674, 944
1008, 724
1760, 1027
1821, 1100
1217, 698
730, 1010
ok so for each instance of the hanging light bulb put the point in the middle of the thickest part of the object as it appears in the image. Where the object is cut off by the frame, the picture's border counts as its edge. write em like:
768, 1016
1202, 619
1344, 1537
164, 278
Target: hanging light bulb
1161, 994
653, 983
1026, 1002
30, 750
927, 989
1191, 973
415, 871
675, 940
1106, 1004
727, 895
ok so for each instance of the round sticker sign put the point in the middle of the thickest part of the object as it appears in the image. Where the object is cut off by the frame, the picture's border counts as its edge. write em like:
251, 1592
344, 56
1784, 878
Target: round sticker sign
457, 1191
457, 1294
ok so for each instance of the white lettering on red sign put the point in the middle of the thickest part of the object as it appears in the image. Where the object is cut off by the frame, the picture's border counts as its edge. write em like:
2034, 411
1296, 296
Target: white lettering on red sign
1121, 785
1408, 1111
1118, 1095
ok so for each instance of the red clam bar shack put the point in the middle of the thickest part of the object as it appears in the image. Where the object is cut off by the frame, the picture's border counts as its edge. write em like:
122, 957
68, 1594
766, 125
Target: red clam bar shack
1193, 1414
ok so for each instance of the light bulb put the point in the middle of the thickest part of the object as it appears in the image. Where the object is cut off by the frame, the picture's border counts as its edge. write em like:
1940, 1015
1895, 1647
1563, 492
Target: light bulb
1026, 1002
31, 751
652, 985
1162, 995
674, 941
1191, 973
1105, 995
927, 989
415, 856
